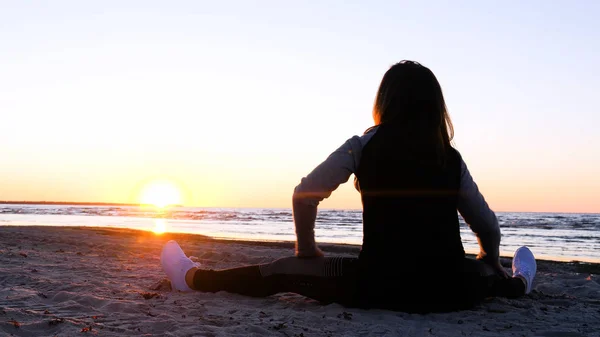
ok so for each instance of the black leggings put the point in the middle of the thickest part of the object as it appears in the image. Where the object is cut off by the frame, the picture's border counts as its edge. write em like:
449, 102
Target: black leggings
338, 279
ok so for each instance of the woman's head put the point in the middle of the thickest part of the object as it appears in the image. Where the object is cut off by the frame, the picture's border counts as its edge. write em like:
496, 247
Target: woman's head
411, 98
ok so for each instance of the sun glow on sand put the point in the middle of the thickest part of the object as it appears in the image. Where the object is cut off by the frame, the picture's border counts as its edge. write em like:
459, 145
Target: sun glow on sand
160, 194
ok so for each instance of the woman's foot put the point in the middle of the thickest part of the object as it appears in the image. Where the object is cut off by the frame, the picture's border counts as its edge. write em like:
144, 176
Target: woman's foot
176, 264
524, 267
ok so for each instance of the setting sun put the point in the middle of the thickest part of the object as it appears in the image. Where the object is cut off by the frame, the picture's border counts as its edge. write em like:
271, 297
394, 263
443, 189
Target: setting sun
160, 194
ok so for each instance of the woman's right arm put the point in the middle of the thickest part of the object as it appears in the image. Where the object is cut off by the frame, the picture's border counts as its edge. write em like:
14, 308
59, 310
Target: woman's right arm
315, 187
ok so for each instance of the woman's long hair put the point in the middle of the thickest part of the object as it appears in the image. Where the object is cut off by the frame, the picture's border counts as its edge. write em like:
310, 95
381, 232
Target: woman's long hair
410, 100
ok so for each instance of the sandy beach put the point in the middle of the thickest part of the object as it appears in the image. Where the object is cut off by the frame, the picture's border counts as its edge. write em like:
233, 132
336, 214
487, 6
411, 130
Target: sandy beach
71, 281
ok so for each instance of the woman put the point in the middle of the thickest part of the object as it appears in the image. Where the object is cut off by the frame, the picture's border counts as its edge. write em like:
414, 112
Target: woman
412, 182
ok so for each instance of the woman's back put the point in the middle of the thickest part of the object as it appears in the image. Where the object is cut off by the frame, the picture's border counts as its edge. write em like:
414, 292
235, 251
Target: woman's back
409, 201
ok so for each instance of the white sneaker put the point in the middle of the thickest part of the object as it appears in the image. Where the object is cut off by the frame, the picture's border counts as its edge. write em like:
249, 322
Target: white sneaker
176, 264
524, 266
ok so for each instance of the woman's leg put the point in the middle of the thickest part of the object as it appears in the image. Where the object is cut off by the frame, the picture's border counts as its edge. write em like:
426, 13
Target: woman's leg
512, 287
488, 284
329, 279
524, 268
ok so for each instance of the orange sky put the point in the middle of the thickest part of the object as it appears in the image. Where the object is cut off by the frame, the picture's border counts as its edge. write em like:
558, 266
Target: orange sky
235, 104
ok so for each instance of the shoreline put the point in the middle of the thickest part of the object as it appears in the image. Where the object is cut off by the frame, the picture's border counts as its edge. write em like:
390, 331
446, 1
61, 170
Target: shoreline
346, 248
109, 282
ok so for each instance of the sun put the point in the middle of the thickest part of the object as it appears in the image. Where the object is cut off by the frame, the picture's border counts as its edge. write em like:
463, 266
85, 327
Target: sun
160, 194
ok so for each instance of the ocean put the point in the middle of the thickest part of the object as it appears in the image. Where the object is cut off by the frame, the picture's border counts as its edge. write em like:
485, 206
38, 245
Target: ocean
556, 236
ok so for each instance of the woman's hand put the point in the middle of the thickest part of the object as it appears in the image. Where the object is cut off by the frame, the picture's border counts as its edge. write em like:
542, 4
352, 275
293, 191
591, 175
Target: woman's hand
310, 254
498, 269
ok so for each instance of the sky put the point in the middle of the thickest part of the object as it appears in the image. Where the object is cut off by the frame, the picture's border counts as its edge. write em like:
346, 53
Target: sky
235, 101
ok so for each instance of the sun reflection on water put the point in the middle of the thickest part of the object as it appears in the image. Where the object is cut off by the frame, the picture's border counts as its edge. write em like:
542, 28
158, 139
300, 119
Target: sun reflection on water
160, 226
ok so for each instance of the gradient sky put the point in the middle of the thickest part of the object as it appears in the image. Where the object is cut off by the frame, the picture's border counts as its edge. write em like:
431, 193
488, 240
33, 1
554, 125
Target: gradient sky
235, 101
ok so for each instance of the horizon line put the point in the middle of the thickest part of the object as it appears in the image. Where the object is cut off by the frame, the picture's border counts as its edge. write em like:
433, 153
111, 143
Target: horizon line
78, 203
